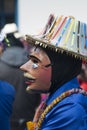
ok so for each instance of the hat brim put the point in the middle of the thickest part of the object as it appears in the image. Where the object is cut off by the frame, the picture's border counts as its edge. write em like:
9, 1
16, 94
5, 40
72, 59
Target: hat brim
45, 43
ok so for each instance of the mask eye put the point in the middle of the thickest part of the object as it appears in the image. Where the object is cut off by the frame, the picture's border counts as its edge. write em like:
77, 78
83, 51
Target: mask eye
34, 60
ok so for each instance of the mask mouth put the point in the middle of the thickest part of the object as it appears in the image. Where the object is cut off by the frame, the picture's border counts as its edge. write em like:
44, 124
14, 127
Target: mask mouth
29, 80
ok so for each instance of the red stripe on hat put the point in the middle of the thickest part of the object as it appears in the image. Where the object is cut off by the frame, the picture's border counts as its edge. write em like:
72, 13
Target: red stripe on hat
60, 27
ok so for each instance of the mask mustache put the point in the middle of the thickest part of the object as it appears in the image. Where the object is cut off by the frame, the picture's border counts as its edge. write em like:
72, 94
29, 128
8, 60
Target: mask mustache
27, 75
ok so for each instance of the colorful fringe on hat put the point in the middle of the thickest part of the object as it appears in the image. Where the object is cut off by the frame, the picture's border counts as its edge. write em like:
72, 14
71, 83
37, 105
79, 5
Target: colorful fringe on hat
63, 34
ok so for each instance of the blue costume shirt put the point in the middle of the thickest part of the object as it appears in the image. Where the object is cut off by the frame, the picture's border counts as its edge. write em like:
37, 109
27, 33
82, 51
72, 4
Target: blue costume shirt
7, 94
70, 113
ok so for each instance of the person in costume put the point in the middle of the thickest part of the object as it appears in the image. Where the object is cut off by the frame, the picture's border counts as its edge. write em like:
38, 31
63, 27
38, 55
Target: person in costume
54, 62
7, 96
82, 77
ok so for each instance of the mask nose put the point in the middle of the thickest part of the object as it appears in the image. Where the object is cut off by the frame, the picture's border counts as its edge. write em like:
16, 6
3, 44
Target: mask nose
24, 67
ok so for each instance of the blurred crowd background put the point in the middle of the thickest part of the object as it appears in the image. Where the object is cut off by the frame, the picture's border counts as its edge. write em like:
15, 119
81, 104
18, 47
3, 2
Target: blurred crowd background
8, 12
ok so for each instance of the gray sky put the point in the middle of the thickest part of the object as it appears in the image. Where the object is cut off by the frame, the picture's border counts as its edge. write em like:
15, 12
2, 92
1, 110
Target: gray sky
33, 14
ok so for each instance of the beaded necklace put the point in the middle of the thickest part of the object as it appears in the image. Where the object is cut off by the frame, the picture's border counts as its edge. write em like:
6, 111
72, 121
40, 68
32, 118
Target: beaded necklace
37, 126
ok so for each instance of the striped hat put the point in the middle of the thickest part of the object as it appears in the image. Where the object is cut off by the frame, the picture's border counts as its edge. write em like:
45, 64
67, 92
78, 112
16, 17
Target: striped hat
63, 34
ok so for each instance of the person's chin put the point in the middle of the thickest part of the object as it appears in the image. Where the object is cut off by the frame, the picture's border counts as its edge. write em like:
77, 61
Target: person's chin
34, 90
29, 89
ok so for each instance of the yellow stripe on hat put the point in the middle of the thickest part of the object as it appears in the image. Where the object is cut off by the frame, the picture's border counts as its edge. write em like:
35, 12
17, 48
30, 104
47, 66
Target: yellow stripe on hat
74, 33
69, 31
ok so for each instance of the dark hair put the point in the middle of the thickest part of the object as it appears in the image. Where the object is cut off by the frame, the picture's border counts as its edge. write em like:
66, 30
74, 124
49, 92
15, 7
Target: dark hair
65, 67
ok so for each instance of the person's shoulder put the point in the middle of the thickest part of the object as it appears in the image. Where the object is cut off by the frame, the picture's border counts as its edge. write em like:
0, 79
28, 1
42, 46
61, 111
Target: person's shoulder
69, 108
70, 113
72, 103
77, 100
6, 88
